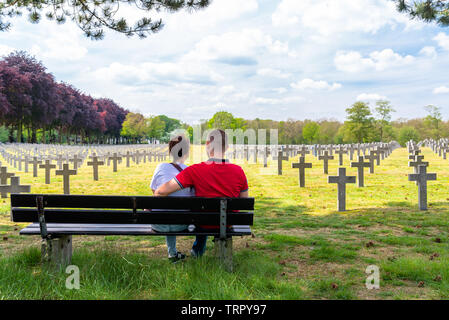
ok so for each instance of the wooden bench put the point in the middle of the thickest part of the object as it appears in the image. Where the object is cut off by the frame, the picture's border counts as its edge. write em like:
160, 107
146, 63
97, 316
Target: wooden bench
57, 217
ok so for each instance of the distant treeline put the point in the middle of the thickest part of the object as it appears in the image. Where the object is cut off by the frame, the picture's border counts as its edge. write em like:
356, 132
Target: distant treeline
35, 108
363, 124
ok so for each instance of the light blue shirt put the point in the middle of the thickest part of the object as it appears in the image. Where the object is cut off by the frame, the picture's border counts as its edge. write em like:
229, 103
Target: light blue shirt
164, 173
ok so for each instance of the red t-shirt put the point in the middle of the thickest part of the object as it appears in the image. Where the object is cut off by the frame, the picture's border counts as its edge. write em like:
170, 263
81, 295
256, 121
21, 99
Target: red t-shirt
214, 178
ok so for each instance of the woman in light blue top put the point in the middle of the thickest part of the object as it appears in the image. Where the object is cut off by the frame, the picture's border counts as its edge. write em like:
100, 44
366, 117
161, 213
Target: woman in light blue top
178, 148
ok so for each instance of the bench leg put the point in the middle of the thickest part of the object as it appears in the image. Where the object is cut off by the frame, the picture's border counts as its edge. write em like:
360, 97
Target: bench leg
57, 251
223, 251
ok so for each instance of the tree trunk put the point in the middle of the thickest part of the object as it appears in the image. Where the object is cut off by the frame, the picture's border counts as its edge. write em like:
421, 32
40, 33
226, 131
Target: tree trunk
33, 134
11, 134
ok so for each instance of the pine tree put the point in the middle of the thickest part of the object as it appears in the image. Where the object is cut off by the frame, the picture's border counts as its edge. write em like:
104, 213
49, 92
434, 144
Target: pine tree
94, 16
426, 10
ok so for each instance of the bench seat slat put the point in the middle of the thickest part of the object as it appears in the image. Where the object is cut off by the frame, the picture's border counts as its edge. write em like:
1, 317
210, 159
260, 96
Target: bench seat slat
127, 217
123, 229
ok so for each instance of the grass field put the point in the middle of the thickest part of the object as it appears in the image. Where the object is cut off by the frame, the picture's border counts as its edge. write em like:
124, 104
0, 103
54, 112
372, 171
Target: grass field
302, 248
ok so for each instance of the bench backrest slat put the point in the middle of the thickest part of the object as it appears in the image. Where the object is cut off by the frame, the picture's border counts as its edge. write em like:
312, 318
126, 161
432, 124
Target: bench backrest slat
110, 209
126, 202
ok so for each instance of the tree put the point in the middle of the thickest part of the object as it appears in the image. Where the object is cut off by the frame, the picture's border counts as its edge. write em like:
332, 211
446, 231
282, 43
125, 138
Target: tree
360, 122
426, 10
384, 111
31, 99
170, 125
16, 92
225, 120
406, 134
112, 115
3, 134
134, 126
433, 120
155, 128
45, 101
311, 132
95, 16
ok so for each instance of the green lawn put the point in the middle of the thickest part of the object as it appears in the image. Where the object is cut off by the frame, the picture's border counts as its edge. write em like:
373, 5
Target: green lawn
302, 247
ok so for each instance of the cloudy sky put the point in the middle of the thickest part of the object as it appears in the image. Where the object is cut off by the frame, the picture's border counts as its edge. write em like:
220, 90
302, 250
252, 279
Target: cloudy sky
271, 59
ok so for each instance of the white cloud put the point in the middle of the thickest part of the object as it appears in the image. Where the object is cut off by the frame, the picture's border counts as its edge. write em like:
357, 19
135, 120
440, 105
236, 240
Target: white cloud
280, 90
276, 101
443, 40
442, 89
217, 12
227, 89
236, 47
61, 43
318, 85
151, 72
274, 73
370, 96
428, 51
229, 94
5, 50
328, 17
353, 61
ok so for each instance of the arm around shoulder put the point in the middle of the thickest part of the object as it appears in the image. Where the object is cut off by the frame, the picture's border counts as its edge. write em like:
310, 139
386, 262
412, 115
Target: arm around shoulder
167, 188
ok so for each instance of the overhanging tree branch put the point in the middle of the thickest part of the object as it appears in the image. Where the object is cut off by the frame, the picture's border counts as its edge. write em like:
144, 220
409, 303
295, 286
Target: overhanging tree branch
426, 10
94, 16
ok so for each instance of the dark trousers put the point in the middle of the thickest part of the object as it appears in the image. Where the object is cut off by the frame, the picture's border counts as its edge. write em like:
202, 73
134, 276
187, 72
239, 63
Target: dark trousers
199, 246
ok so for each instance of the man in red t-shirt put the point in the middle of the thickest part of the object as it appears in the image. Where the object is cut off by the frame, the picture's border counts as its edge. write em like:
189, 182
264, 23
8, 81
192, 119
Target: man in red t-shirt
215, 177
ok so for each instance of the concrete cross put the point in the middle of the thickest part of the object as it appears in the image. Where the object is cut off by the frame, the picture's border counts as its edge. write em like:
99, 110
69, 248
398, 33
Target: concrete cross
95, 163
421, 178
288, 150
75, 161
246, 152
47, 166
445, 150
340, 151
14, 187
254, 151
279, 158
326, 157
341, 180
371, 157
129, 155
360, 165
27, 161
265, 156
351, 152
303, 151
115, 158
59, 161
66, 173
418, 162
136, 157
4, 176
412, 156
301, 165
35, 163
377, 156
20, 162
